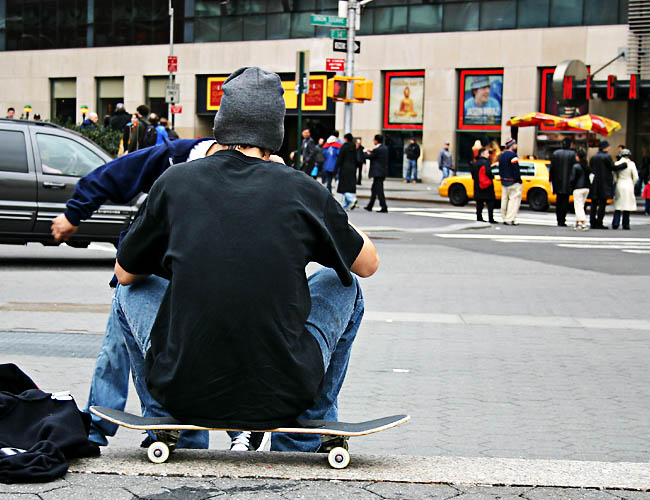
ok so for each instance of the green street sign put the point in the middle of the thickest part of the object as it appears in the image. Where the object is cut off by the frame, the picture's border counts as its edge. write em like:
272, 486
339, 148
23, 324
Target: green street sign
338, 33
320, 20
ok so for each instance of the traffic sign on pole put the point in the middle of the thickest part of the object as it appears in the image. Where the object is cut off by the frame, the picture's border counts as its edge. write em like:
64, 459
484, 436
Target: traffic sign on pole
320, 20
172, 93
342, 46
177, 109
335, 64
338, 33
172, 64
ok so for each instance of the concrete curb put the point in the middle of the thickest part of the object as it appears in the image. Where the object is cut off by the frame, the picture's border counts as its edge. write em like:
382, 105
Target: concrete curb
401, 469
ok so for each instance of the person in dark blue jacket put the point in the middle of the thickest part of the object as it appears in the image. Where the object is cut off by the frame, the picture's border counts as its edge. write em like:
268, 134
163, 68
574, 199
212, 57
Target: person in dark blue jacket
510, 183
120, 181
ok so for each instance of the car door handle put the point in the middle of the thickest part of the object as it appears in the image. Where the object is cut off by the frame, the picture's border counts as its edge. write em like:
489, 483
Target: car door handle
54, 185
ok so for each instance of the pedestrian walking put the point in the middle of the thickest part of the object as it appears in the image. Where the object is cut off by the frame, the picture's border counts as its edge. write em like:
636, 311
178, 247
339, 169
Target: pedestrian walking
378, 171
511, 183
601, 168
346, 166
319, 158
139, 125
307, 152
560, 176
624, 199
171, 133
361, 160
412, 154
445, 162
580, 187
331, 150
646, 196
483, 177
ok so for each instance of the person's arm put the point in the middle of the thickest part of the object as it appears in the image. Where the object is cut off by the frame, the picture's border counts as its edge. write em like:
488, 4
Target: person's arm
367, 262
125, 277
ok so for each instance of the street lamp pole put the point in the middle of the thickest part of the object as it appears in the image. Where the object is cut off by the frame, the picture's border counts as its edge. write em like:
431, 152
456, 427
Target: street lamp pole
349, 65
171, 53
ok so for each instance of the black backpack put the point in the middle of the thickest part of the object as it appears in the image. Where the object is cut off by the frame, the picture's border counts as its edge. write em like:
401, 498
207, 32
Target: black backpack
149, 137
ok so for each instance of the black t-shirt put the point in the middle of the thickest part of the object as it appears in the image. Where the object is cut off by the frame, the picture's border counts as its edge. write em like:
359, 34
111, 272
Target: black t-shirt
234, 234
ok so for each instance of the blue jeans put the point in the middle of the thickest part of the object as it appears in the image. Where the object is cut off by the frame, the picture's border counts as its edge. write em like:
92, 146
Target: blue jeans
348, 200
133, 312
327, 179
335, 317
412, 167
446, 172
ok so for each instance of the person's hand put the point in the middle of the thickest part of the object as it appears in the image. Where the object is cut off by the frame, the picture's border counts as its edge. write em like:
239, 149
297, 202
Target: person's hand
62, 229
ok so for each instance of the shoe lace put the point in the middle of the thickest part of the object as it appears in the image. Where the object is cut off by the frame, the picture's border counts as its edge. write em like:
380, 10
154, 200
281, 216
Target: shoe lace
240, 442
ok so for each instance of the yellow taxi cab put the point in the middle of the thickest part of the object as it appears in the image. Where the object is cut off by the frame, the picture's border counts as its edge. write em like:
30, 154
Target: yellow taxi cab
536, 186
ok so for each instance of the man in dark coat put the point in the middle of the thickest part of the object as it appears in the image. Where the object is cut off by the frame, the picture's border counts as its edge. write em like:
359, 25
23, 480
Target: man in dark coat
560, 176
120, 118
346, 167
307, 152
378, 171
602, 185
483, 195
360, 160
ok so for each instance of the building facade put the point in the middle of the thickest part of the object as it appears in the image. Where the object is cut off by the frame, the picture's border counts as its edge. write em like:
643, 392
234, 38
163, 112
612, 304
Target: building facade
442, 70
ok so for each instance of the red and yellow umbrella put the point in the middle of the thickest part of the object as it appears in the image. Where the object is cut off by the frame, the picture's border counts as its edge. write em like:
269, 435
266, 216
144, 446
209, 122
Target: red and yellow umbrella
594, 123
534, 119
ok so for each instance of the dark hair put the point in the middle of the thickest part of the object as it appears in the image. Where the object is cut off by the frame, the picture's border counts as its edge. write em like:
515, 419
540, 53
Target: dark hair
582, 154
622, 146
144, 110
164, 122
379, 138
11, 109
335, 133
566, 142
348, 137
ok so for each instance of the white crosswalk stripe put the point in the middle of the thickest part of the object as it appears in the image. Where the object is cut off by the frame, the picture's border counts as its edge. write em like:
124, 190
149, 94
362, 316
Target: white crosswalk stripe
627, 245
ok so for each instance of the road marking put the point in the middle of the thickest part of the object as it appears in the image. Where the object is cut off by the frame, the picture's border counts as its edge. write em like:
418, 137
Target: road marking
508, 320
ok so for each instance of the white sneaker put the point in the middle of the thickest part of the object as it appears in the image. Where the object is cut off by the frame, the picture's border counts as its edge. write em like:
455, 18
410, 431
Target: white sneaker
250, 441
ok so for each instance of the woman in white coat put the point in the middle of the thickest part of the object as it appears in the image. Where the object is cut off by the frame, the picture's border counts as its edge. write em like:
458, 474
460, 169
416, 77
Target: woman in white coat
624, 199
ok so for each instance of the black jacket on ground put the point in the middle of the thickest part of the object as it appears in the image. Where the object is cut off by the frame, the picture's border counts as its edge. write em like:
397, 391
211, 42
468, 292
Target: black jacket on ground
602, 166
346, 166
412, 151
44, 431
378, 161
560, 170
475, 167
579, 176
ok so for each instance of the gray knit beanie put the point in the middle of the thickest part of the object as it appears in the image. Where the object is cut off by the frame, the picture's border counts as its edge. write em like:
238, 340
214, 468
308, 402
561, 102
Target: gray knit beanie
252, 110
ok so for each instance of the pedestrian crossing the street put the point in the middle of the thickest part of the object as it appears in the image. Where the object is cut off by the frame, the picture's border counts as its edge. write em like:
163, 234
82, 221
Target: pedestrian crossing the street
626, 245
523, 218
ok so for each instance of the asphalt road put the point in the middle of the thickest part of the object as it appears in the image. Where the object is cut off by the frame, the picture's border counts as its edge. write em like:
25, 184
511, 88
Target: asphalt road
513, 342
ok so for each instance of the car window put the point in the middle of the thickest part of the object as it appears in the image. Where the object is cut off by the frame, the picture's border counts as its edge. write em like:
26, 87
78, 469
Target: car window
527, 168
13, 152
63, 156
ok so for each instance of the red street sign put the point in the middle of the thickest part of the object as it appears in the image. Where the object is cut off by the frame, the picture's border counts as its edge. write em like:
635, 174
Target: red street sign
172, 64
177, 110
334, 64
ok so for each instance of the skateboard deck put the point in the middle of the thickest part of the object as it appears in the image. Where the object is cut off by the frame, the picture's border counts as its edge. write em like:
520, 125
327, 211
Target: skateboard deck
339, 455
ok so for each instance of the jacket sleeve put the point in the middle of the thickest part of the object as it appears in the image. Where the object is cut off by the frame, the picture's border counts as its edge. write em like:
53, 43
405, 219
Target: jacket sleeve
118, 181
516, 170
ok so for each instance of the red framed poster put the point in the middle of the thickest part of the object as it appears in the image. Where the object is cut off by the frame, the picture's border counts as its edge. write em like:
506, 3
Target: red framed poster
549, 104
404, 100
480, 96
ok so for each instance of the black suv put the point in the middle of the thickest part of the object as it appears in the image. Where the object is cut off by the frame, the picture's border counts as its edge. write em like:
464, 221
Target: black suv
40, 164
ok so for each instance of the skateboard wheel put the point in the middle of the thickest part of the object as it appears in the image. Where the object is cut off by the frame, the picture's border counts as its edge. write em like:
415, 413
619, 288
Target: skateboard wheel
158, 452
338, 458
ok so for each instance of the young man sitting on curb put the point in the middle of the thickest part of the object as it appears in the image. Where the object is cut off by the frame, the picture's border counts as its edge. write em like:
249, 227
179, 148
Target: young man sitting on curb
242, 337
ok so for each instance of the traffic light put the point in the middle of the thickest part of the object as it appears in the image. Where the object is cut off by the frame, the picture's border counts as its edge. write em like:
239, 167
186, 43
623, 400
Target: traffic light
362, 90
337, 88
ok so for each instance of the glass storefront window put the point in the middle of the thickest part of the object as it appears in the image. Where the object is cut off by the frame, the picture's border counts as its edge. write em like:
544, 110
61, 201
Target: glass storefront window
278, 26
207, 29
110, 91
300, 25
499, 15
425, 18
460, 16
63, 92
533, 13
232, 29
254, 27
155, 94
566, 12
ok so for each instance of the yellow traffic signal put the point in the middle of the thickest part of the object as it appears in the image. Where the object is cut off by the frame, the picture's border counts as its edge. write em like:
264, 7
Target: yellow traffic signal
362, 90
337, 88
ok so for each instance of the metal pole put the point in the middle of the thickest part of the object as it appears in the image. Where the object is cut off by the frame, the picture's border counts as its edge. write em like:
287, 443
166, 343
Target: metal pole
301, 71
171, 53
349, 65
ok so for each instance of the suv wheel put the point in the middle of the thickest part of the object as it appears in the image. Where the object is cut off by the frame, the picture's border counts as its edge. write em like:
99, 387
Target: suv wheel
457, 195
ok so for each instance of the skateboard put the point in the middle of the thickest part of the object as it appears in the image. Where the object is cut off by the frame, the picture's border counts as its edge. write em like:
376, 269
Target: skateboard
167, 430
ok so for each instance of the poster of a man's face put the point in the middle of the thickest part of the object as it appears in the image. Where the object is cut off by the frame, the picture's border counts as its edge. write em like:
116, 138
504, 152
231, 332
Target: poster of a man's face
404, 106
481, 94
